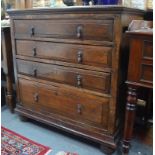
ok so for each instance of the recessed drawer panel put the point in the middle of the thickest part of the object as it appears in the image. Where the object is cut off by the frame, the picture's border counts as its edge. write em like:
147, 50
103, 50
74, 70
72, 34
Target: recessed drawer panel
82, 54
91, 80
147, 49
146, 73
99, 30
77, 105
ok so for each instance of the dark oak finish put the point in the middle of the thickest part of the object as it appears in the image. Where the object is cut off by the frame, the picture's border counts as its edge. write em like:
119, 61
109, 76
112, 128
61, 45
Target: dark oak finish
140, 74
67, 68
7, 65
75, 77
81, 54
141, 57
72, 29
59, 100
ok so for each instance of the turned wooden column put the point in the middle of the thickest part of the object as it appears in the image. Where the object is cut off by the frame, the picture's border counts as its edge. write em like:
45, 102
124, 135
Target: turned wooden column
129, 117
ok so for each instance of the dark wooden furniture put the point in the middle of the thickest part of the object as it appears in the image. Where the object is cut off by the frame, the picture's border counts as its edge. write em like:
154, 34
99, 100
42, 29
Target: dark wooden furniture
140, 74
67, 68
7, 65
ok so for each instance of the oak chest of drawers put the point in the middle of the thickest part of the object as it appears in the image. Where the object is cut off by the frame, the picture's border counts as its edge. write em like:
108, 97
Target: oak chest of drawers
67, 67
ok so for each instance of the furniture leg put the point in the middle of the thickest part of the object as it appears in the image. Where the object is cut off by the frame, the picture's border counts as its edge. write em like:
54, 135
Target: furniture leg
149, 106
129, 118
9, 93
23, 118
107, 150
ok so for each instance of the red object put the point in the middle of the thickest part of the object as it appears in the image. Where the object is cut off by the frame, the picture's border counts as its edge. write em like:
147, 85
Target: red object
15, 144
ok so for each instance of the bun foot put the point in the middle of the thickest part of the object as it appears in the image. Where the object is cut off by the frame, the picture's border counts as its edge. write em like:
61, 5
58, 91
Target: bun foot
23, 118
107, 150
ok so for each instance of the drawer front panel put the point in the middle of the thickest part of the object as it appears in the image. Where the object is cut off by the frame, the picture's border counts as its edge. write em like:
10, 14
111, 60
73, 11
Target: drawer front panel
75, 105
147, 49
76, 77
99, 30
81, 54
146, 73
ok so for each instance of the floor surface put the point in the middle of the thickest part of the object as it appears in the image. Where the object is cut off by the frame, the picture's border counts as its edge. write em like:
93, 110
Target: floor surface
59, 140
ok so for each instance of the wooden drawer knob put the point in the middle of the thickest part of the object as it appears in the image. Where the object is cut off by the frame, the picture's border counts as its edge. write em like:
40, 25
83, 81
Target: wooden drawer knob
34, 51
79, 30
36, 97
79, 80
79, 56
79, 108
34, 72
32, 31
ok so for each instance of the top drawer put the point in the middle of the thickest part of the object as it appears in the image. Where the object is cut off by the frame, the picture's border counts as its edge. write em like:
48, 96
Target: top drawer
147, 49
99, 30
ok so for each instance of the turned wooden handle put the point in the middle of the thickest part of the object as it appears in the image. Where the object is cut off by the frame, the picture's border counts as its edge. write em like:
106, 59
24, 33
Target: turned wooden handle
34, 72
79, 108
32, 30
36, 97
79, 56
79, 32
79, 80
34, 51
